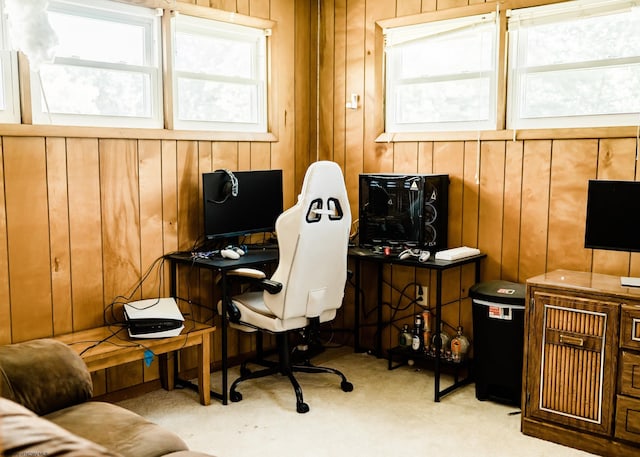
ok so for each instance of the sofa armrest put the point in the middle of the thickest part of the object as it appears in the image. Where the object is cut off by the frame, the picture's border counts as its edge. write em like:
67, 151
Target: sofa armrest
43, 375
23, 433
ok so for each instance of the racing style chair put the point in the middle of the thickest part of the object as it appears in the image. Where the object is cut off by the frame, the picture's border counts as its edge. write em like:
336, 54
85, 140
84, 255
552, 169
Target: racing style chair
307, 286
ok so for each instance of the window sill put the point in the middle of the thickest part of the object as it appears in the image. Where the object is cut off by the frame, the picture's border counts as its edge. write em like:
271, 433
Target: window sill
502, 135
137, 133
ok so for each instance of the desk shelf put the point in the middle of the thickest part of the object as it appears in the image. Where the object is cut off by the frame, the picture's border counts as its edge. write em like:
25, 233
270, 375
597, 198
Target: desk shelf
360, 255
461, 371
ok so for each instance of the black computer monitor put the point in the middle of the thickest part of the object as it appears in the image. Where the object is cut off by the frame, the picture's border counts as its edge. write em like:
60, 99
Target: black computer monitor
254, 209
613, 215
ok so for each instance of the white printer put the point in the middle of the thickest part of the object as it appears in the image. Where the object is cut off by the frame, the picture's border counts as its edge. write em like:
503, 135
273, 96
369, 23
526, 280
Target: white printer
153, 318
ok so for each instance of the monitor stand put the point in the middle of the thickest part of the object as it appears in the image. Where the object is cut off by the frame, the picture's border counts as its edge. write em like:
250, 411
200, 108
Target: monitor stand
629, 281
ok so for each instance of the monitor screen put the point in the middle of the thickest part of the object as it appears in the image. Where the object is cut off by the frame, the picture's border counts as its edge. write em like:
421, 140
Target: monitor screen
254, 209
613, 215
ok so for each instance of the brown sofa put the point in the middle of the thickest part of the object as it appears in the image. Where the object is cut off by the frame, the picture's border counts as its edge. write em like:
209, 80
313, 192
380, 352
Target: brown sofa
45, 409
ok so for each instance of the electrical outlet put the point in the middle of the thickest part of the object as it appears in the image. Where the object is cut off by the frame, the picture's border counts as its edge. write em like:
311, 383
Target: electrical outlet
419, 293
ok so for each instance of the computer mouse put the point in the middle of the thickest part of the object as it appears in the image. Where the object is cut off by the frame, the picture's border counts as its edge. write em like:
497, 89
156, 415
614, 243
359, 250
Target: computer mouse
229, 254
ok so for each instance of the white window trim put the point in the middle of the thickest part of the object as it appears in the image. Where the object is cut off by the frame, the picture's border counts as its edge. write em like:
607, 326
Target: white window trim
518, 19
202, 26
406, 34
10, 78
118, 11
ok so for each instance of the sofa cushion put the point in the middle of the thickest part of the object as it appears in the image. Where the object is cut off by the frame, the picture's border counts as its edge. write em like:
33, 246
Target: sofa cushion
118, 429
43, 375
23, 433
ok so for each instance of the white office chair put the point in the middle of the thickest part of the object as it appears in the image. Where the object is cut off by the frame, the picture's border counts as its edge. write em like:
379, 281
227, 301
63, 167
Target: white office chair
307, 286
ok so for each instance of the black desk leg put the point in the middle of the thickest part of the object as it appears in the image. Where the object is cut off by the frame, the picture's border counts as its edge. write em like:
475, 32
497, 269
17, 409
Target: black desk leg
356, 304
379, 327
438, 339
224, 323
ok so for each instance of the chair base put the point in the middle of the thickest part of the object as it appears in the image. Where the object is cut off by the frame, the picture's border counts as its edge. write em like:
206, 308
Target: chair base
284, 367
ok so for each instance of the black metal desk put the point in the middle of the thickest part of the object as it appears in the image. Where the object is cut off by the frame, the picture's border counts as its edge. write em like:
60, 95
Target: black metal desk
252, 258
361, 254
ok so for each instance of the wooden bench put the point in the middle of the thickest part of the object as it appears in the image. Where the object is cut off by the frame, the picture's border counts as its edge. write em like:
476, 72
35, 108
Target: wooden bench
110, 346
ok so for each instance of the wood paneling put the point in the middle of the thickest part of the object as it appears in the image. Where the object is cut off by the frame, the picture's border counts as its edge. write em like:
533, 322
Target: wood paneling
58, 201
522, 202
27, 215
5, 299
86, 211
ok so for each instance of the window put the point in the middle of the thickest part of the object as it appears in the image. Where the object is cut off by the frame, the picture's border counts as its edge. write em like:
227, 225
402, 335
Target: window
442, 75
574, 64
106, 70
9, 98
219, 76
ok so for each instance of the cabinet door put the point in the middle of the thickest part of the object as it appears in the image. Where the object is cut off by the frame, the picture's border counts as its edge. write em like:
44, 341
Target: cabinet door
572, 355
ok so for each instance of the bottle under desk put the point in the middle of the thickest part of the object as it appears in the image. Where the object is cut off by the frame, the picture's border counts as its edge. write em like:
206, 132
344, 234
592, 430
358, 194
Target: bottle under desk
360, 255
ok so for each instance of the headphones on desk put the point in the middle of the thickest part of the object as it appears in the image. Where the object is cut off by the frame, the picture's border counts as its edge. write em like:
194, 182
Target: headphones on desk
228, 187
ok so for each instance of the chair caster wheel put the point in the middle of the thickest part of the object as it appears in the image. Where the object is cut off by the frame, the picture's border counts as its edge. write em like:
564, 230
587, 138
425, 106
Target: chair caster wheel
235, 396
302, 408
346, 386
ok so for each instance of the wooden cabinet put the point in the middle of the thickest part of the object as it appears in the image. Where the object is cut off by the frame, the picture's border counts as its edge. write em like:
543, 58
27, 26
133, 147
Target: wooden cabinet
581, 371
628, 400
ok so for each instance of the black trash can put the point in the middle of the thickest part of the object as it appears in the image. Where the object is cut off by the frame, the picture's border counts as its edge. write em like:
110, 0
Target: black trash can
498, 339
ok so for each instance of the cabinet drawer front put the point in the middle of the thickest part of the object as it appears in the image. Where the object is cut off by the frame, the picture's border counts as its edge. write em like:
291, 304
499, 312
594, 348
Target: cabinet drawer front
630, 374
572, 361
628, 419
630, 327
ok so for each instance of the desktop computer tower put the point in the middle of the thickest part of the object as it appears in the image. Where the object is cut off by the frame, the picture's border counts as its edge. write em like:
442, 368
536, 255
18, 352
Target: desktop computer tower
401, 210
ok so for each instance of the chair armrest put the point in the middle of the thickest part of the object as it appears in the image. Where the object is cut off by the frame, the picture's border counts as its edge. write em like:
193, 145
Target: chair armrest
247, 273
253, 277
256, 278
43, 375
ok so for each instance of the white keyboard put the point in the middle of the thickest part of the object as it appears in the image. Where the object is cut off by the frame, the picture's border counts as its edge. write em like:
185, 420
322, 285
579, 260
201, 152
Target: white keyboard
457, 253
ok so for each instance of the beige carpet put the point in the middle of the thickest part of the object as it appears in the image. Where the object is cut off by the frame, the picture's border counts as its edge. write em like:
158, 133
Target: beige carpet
388, 414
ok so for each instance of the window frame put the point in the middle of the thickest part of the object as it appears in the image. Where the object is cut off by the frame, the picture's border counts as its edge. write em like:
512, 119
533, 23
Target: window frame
422, 30
260, 34
9, 74
516, 93
116, 11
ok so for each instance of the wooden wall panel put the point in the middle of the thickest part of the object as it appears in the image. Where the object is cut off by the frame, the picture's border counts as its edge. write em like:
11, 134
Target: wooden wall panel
151, 217
511, 211
120, 207
574, 163
448, 159
471, 195
59, 235
28, 237
302, 101
407, 7
101, 209
405, 158
169, 198
5, 299
616, 160
536, 176
334, 19
491, 205
85, 232
259, 8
